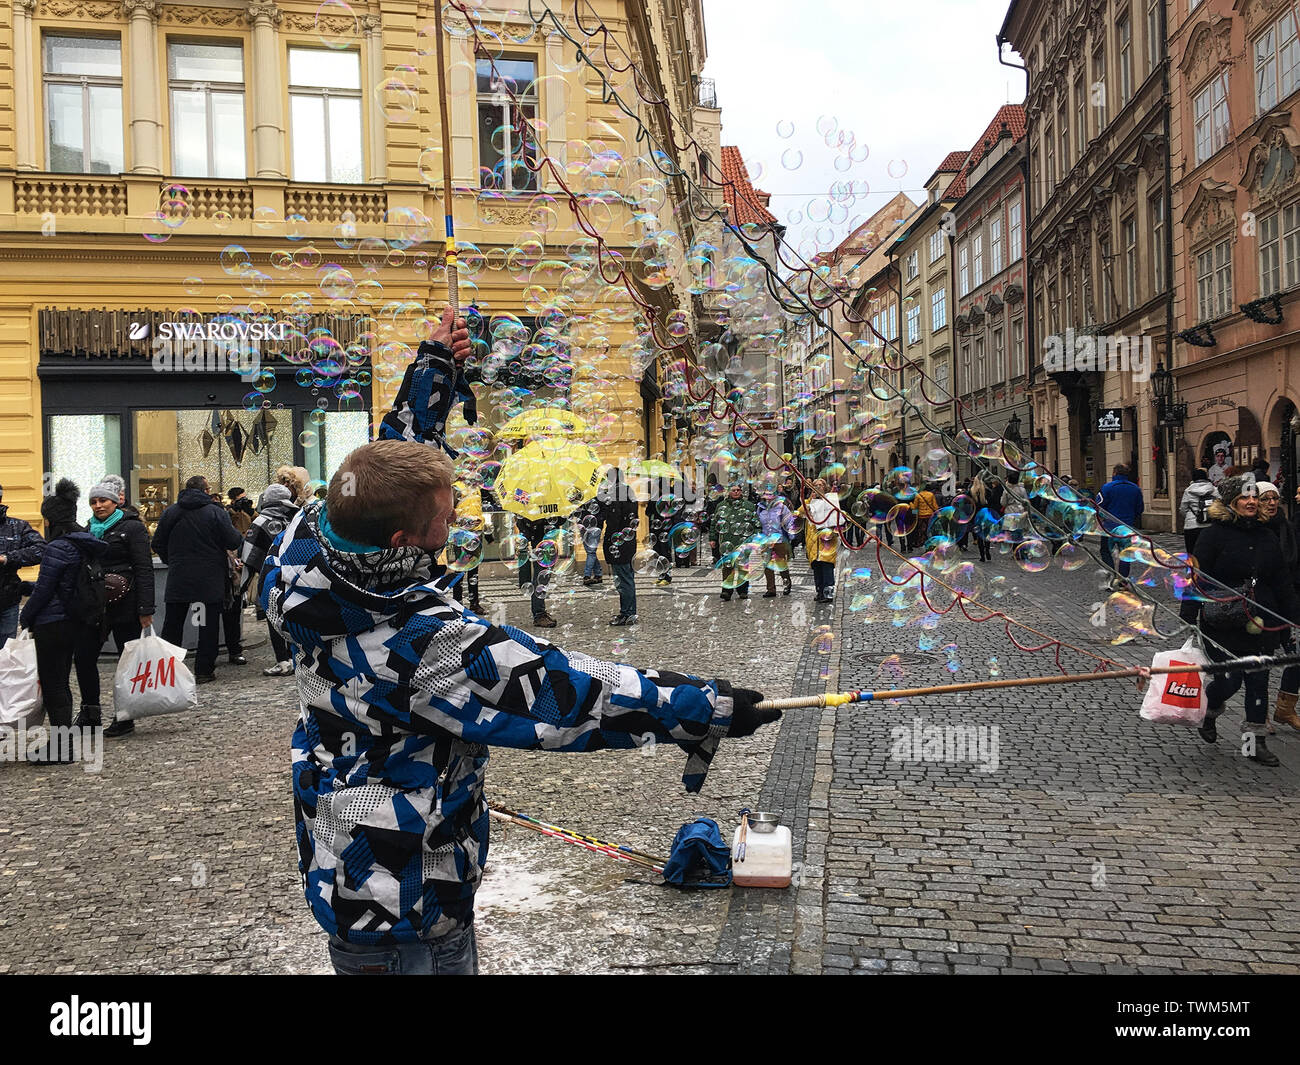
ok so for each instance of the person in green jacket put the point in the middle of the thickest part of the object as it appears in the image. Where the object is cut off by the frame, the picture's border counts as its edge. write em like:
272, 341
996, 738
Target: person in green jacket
735, 522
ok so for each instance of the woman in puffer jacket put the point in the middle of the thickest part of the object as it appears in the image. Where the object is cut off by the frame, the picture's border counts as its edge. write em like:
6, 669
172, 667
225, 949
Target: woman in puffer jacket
128, 569
1238, 554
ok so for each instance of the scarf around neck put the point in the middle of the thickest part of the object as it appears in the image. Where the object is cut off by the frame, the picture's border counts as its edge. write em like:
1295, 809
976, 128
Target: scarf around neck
98, 528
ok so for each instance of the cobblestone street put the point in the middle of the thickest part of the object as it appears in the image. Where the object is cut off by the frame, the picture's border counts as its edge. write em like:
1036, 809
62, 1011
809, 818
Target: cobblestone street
1081, 838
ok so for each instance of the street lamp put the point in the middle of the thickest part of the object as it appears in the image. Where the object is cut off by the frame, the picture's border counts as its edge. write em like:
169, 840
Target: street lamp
1012, 431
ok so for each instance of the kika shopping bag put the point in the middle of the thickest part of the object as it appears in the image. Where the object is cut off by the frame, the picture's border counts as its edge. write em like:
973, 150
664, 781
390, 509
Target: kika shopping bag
1177, 698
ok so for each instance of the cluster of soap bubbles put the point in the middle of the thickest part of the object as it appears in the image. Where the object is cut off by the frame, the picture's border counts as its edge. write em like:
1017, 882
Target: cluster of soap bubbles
354, 297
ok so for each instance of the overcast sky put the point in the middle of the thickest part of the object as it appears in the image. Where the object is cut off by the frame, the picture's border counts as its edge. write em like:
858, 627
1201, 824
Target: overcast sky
910, 80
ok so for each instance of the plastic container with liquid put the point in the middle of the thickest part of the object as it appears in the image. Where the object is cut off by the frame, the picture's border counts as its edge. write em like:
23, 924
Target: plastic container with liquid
769, 857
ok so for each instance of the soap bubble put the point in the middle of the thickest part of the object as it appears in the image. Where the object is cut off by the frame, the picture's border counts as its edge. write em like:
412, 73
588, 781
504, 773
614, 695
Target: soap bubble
464, 550
337, 25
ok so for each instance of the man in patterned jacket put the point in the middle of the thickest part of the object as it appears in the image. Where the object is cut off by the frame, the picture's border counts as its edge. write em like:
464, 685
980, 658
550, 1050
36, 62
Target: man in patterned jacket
402, 691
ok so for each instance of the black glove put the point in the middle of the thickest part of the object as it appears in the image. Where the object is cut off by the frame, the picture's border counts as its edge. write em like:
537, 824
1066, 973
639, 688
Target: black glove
745, 717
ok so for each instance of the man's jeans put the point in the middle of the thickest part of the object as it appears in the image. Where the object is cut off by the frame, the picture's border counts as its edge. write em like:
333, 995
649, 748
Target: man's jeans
592, 567
453, 955
625, 581
1108, 560
9, 623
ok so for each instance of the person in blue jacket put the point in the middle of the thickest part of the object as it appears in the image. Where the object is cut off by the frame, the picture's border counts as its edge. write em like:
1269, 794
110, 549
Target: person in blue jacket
1120, 503
58, 621
402, 691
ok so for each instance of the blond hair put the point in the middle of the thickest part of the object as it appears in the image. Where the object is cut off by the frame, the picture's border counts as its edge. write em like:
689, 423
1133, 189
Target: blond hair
387, 487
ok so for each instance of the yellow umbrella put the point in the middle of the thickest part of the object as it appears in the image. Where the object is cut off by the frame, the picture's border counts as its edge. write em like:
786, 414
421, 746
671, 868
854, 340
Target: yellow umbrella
654, 468
544, 421
548, 479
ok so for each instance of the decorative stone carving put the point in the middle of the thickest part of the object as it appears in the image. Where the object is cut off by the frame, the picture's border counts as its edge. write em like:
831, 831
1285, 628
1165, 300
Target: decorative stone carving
1272, 171
1211, 211
1258, 12
265, 12
175, 15
82, 9
28, 7
507, 214
1209, 44
148, 8
371, 23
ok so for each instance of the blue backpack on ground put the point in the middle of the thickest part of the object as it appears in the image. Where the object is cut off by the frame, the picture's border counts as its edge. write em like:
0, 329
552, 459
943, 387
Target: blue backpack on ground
699, 858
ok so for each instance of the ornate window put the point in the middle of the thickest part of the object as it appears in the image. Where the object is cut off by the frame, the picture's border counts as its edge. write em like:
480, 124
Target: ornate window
83, 105
325, 114
1277, 62
1210, 113
1214, 281
206, 83
504, 156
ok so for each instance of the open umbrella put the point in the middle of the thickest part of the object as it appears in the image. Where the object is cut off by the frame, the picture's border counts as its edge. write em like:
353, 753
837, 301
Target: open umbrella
544, 421
655, 468
548, 478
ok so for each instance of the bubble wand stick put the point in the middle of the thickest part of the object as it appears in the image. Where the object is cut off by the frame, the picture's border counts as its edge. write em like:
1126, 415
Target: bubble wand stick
844, 698
453, 270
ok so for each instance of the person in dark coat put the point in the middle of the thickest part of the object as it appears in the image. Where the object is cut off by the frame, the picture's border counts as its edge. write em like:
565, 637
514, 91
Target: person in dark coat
618, 515
1270, 516
128, 569
1238, 557
665, 511
20, 545
1121, 501
51, 612
537, 575
192, 539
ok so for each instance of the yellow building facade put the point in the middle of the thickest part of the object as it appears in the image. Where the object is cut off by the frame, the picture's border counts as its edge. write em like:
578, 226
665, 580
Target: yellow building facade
167, 168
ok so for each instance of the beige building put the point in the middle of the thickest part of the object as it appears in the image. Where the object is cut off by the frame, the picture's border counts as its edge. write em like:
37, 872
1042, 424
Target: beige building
224, 165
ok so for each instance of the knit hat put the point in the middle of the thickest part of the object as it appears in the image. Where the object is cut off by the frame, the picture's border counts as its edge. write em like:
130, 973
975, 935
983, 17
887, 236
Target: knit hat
61, 508
1232, 487
115, 482
104, 490
1265, 486
275, 493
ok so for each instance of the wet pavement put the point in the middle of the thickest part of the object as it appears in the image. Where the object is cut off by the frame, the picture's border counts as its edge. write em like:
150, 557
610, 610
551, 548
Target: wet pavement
1085, 840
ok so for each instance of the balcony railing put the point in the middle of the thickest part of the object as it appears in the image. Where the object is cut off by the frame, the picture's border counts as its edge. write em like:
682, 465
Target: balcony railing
708, 93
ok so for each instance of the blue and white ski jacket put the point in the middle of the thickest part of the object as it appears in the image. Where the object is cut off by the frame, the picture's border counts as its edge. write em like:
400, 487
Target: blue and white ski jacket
401, 693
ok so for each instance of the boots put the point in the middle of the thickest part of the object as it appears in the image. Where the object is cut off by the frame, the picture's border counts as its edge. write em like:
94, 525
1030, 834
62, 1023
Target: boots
1284, 713
91, 715
1262, 754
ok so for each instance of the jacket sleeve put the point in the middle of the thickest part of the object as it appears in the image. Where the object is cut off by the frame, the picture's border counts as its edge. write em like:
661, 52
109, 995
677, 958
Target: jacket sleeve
30, 551
53, 565
229, 535
498, 685
432, 385
162, 533
1207, 560
1185, 504
141, 568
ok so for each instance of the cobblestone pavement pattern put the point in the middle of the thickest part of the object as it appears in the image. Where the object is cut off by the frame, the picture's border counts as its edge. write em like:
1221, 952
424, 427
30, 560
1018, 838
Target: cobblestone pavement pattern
1100, 843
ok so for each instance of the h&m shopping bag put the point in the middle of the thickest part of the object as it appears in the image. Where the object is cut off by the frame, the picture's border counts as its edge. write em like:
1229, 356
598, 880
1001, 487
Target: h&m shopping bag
152, 679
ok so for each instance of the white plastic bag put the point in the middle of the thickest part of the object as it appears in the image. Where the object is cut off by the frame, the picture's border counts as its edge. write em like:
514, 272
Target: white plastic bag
20, 686
152, 679
1177, 698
